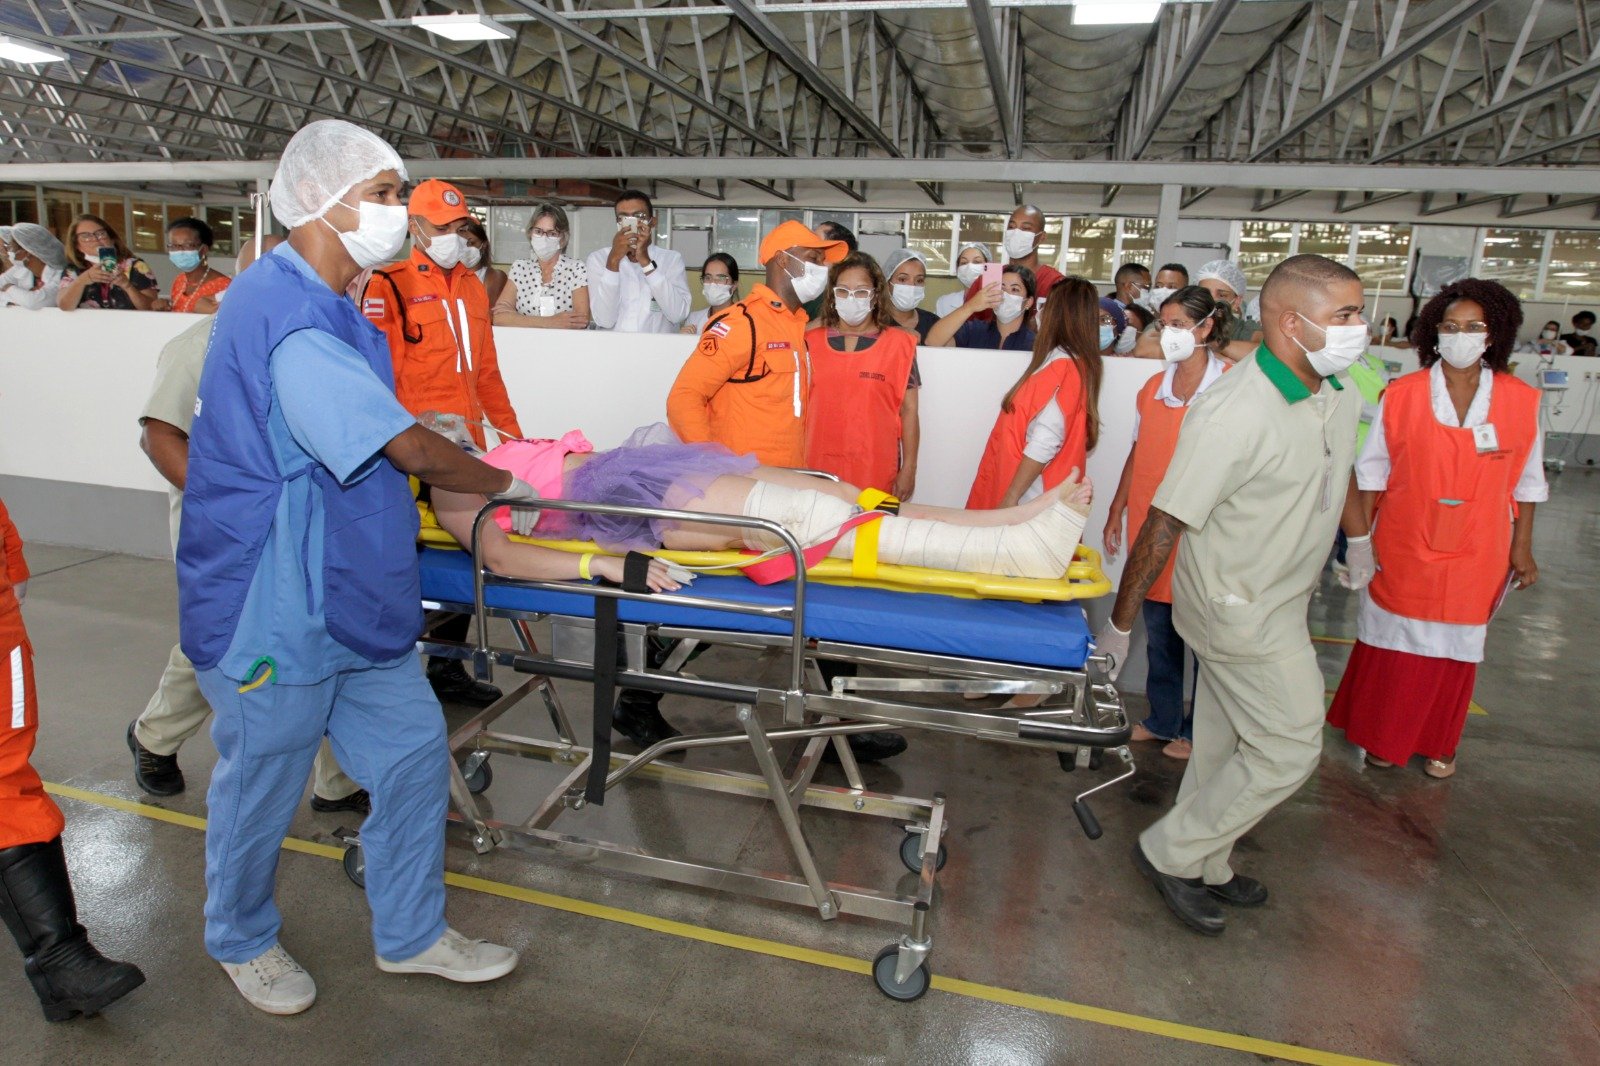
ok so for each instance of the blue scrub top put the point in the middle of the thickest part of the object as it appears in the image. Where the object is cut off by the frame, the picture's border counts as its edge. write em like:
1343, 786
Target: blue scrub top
976, 334
327, 407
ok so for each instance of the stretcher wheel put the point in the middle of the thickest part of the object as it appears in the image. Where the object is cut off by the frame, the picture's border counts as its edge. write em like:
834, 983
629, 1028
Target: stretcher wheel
355, 865
915, 987
911, 853
479, 779
1069, 763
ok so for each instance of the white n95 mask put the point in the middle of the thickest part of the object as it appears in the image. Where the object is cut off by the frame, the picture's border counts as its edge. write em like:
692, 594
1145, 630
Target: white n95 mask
1018, 242
471, 256
967, 273
1341, 347
379, 233
1010, 308
716, 294
1462, 350
907, 297
446, 248
1177, 343
809, 285
1154, 298
545, 247
853, 310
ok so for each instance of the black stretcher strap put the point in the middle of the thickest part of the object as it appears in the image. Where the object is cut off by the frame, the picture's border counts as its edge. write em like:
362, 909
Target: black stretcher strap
607, 655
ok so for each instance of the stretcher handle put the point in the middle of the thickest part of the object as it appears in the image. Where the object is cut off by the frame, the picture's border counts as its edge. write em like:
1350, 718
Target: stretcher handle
1086, 818
1062, 733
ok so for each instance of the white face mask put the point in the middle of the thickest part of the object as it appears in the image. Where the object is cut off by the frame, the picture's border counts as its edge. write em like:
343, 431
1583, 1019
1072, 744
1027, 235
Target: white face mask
967, 273
1156, 297
1548, 335
1010, 308
716, 295
853, 310
907, 297
1177, 343
1462, 350
1018, 242
379, 233
446, 248
1341, 347
809, 285
471, 256
545, 247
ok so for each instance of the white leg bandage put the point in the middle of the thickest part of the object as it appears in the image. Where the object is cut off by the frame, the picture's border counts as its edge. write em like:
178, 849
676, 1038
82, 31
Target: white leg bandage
811, 516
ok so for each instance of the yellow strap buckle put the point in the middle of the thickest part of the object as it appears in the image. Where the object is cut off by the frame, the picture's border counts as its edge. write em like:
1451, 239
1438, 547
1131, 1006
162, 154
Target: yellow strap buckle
864, 561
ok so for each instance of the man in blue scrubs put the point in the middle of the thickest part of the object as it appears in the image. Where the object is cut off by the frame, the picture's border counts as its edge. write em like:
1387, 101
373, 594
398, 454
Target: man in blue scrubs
298, 586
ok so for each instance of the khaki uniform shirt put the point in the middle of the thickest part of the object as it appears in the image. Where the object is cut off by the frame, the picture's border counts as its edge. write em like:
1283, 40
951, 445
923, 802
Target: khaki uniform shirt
1259, 480
173, 395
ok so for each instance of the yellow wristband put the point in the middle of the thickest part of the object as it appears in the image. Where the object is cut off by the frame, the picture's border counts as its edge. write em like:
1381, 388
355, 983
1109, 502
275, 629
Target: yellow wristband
583, 566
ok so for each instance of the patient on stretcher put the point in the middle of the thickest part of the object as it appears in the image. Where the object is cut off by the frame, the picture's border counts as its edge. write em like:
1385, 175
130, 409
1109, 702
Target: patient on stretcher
655, 469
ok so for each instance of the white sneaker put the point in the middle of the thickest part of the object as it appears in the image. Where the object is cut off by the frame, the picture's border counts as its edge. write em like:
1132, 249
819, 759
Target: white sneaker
455, 958
273, 982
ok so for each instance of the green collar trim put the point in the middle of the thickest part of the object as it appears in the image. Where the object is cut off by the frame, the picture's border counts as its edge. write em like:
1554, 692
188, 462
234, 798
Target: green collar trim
1284, 380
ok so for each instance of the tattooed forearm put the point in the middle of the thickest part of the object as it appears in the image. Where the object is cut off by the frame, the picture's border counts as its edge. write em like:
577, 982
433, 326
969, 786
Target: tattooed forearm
1157, 538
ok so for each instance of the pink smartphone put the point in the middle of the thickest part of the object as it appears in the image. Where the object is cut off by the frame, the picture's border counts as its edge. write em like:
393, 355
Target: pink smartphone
992, 273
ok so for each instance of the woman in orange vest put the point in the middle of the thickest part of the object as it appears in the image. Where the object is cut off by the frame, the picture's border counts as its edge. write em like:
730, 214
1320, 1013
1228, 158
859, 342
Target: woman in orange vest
1050, 420
1453, 465
1190, 320
862, 422
69, 976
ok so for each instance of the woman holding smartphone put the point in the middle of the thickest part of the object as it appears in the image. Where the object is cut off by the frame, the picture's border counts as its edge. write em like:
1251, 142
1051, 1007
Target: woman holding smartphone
104, 273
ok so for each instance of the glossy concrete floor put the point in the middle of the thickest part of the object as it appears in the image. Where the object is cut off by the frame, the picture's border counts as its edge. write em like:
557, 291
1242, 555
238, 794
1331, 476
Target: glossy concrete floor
1412, 920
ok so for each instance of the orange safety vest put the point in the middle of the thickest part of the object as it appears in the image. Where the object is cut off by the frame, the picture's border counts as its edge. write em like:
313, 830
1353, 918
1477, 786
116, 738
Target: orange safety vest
1152, 454
1443, 531
27, 814
1059, 382
853, 424
442, 342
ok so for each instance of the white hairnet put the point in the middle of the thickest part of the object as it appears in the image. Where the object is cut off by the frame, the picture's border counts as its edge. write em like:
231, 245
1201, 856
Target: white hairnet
1225, 271
5, 234
320, 164
899, 256
988, 256
39, 241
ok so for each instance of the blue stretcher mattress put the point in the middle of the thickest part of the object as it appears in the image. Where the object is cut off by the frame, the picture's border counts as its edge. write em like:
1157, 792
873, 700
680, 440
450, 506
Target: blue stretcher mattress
1054, 635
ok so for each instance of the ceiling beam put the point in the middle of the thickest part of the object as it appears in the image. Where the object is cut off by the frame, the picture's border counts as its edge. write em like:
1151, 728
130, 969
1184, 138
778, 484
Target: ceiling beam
983, 20
1193, 52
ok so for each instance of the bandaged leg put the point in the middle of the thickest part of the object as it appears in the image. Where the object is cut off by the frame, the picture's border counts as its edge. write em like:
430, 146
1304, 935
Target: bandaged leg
1040, 547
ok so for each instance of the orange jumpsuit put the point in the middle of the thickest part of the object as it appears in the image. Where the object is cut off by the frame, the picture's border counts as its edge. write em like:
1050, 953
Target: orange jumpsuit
442, 341
748, 381
27, 815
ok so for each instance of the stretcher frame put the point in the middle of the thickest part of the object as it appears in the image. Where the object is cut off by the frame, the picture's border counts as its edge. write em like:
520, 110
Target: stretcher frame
1091, 719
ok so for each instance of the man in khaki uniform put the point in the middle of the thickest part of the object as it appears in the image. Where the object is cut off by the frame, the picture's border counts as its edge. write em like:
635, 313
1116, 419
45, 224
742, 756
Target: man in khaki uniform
1256, 490
178, 710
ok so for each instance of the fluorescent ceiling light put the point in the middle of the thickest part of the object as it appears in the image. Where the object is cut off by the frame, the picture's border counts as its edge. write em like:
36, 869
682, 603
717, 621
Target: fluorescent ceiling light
1572, 273
1114, 12
20, 52
1580, 284
463, 27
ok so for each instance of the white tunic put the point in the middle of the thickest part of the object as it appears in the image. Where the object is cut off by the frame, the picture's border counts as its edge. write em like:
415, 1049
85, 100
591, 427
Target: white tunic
1438, 640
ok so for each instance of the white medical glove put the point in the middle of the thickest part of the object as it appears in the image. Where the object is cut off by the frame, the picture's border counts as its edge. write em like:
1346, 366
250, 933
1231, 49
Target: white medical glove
1361, 562
1113, 644
21, 589
522, 519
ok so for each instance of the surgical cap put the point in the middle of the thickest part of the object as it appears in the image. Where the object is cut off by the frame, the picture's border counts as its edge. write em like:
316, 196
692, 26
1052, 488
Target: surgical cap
321, 163
39, 241
1225, 271
899, 257
5, 234
988, 256
1118, 316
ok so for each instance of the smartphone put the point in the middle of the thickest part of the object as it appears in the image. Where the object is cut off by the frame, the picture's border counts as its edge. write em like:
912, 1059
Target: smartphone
108, 259
992, 272
629, 224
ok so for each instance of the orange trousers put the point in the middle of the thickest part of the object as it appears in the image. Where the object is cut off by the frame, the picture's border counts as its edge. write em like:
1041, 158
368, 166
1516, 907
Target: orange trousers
27, 814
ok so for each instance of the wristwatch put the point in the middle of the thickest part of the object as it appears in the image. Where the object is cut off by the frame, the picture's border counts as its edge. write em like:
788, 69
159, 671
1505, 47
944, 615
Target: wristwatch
649, 269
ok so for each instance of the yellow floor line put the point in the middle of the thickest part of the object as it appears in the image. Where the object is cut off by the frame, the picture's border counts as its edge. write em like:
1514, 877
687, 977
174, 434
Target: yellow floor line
777, 949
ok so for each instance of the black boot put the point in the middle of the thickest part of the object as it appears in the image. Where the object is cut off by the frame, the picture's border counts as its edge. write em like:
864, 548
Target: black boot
68, 974
866, 747
452, 684
639, 718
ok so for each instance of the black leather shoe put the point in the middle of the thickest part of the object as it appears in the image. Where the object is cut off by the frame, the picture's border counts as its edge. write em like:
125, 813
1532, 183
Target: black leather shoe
869, 747
1186, 897
638, 718
1242, 891
156, 774
452, 684
358, 802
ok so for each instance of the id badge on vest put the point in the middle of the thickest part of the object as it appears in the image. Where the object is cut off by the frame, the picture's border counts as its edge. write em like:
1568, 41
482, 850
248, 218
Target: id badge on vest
1484, 437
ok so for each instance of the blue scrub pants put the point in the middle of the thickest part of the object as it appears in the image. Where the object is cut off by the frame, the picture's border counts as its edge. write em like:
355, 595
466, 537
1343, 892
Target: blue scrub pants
1163, 685
388, 733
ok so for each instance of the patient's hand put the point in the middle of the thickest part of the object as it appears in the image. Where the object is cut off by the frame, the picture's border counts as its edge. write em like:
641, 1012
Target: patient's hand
610, 568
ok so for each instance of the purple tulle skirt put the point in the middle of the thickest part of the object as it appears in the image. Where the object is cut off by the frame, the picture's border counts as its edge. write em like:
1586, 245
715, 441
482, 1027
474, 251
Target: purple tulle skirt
652, 468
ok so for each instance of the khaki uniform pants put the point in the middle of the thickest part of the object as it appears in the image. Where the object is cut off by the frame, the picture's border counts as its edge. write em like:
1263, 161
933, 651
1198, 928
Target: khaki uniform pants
178, 710
1257, 738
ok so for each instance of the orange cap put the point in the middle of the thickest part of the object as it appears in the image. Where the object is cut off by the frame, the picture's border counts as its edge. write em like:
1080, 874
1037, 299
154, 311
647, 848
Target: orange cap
793, 234
437, 201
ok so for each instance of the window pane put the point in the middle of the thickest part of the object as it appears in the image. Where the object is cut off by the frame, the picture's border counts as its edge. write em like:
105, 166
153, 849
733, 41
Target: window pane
1571, 274
113, 212
149, 228
1091, 248
1262, 246
508, 232
982, 229
247, 228
60, 208
930, 235
1138, 242
1331, 239
739, 234
1382, 253
220, 219
1511, 257
20, 207
1051, 243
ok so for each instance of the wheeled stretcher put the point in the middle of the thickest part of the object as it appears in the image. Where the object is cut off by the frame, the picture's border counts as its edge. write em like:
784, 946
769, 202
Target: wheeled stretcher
904, 644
